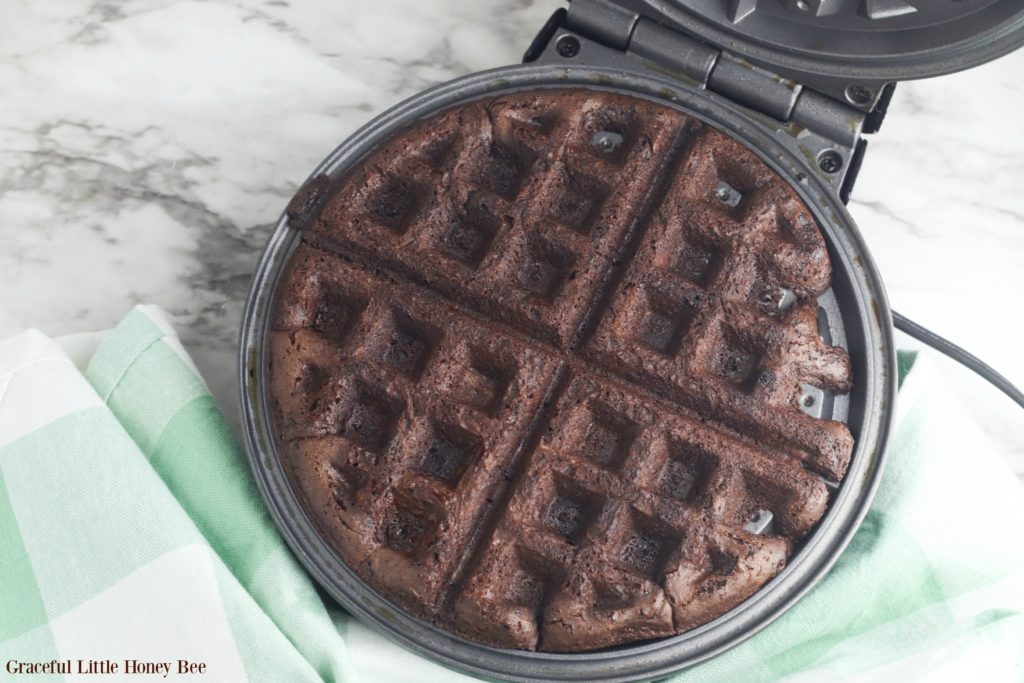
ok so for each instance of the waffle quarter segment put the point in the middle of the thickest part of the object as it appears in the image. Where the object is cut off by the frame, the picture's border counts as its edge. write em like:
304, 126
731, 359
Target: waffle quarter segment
628, 524
409, 430
509, 207
719, 307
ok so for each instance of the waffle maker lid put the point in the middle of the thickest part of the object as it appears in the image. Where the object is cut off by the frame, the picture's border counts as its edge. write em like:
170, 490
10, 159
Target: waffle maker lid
848, 49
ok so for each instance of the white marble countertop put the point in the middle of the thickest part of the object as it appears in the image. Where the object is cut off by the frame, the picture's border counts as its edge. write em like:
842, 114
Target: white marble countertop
147, 146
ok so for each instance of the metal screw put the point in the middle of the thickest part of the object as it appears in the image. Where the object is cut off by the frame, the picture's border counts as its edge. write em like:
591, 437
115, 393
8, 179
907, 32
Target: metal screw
568, 46
830, 161
859, 94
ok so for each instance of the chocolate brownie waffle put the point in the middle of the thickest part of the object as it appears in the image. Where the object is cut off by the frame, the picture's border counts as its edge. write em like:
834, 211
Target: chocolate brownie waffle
536, 370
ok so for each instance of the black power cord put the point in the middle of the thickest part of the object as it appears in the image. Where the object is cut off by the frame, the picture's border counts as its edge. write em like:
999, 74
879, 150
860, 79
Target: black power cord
959, 355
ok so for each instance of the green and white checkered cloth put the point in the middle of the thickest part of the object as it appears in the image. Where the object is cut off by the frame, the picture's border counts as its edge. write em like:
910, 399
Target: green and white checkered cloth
130, 528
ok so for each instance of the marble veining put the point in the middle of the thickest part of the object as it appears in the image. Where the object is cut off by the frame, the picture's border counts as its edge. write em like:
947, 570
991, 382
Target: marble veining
148, 146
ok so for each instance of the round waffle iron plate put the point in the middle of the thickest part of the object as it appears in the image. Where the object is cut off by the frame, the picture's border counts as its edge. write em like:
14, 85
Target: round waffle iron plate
858, 318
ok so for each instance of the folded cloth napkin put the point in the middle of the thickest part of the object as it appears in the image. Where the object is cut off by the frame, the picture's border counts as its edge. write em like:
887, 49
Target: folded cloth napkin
130, 529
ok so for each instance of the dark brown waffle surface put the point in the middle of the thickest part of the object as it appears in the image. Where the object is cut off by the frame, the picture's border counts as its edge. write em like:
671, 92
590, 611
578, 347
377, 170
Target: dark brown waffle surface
536, 366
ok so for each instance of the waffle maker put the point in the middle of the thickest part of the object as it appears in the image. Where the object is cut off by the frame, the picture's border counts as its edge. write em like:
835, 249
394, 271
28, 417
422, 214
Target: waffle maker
799, 82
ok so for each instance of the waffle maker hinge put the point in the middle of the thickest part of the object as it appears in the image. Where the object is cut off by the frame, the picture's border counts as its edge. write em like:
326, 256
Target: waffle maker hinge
825, 131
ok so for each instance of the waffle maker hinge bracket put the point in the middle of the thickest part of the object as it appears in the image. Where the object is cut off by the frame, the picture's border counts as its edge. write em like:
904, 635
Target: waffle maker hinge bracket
826, 131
